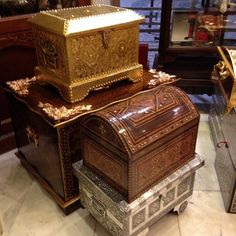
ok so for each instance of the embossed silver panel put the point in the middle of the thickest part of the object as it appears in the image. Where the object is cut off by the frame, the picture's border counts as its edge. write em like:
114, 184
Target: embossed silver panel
121, 218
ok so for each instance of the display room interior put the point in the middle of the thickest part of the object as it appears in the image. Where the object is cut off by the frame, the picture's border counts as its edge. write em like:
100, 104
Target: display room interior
117, 117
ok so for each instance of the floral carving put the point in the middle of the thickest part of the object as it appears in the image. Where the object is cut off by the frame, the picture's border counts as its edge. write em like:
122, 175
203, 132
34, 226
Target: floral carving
60, 113
21, 86
160, 77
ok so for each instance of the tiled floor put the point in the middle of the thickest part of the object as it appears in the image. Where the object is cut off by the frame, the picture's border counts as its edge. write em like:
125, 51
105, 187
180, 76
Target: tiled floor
27, 210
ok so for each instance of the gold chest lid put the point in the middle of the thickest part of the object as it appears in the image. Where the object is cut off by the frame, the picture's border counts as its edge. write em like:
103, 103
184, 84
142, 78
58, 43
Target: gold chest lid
76, 20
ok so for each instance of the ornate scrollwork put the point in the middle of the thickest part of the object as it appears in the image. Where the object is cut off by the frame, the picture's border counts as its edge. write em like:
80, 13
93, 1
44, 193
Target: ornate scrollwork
160, 77
60, 113
103, 52
21, 86
49, 55
222, 70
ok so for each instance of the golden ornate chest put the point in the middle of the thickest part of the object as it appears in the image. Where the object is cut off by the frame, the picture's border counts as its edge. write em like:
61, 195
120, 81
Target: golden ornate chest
82, 49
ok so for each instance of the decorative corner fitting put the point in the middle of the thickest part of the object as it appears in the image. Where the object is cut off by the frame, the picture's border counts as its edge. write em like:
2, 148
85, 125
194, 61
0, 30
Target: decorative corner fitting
21, 86
62, 113
160, 77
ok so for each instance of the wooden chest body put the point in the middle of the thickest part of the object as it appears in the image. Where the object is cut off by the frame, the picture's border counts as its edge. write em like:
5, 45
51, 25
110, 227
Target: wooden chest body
82, 49
120, 218
137, 142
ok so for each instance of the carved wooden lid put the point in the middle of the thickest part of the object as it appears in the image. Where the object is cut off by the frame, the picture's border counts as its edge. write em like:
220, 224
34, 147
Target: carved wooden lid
144, 118
69, 21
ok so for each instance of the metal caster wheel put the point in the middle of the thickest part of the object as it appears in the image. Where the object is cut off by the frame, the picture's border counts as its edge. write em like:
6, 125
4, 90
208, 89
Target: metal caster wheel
181, 207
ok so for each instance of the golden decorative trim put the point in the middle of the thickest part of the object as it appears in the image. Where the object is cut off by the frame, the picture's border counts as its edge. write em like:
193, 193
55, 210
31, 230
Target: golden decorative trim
226, 65
68, 21
222, 69
59, 113
21, 86
160, 77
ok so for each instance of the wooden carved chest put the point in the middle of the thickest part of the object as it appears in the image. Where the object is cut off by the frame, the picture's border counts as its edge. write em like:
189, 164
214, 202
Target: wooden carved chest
82, 49
137, 142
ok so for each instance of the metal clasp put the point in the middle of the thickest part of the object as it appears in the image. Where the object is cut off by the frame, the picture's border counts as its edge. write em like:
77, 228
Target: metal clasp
32, 136
105, 39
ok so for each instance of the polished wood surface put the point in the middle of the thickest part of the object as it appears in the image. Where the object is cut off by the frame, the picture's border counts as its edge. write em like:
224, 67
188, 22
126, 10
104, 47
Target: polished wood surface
47, 152
47, 94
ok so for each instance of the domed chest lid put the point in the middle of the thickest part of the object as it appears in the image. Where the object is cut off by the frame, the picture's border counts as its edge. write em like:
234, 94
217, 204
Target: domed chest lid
146, 117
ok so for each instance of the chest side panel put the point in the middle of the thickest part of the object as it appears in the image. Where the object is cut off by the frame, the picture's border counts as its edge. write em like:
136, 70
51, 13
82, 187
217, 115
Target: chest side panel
51, 54
162, 161
38, 142
106, 164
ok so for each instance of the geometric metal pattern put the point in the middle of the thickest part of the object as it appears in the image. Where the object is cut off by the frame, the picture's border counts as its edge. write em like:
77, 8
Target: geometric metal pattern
183, 186
121, 218
154, 207
138, 218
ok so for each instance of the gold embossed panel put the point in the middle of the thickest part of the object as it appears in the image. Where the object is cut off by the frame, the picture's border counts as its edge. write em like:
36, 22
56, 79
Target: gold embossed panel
102, 52
51, 53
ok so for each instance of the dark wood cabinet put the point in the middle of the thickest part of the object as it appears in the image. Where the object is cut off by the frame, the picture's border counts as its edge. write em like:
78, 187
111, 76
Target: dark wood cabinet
47, 151
189, 33
47, 131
